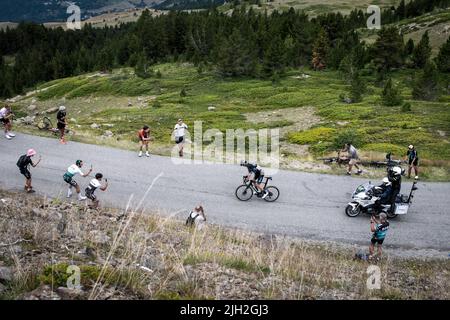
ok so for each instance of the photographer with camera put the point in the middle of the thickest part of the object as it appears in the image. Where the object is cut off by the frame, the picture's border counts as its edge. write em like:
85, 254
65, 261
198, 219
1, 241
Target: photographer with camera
93, 185
379, 227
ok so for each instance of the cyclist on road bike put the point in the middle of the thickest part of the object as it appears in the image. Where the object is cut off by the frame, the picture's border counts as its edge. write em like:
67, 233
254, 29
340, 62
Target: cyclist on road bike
256, 176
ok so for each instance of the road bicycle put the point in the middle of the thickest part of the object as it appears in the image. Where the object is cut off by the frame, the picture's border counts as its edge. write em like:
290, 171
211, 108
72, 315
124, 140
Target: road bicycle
246, 191
45, 124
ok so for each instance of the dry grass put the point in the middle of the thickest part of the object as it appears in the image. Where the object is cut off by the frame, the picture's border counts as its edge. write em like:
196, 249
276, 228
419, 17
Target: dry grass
153, 256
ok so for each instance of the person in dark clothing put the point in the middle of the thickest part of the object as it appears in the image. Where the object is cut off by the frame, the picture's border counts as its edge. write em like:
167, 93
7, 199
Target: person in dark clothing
23, 163
413, 161
384, 191
395, 177
61, 123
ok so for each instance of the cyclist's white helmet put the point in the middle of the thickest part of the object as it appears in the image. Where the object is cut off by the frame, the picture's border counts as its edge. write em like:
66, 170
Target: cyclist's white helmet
397, 170
410, 146
62, 108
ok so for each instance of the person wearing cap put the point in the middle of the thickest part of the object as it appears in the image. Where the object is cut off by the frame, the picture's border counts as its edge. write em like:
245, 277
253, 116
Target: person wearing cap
180, 131
379, 227
144, 139
61, 123
23, 163
413, 161
5, 118
68, 177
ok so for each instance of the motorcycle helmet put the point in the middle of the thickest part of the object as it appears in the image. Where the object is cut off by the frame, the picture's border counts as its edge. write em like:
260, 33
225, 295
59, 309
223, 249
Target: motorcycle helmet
397, 171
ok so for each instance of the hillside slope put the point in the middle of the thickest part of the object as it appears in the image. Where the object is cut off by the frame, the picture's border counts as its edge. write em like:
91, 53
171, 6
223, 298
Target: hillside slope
137, 255
304, 104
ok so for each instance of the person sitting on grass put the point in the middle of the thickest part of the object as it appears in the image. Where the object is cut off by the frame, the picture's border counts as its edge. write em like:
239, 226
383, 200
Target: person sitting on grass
379, 227
93, 185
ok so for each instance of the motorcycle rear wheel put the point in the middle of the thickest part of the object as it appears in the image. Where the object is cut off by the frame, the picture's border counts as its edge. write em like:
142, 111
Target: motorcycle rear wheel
391, 215
352, 212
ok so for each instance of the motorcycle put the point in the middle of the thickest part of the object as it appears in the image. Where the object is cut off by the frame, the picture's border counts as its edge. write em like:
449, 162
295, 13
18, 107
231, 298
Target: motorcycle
366, 198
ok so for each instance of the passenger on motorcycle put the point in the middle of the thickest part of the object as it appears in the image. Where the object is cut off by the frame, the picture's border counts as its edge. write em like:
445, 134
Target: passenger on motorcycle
256, 176
384, 191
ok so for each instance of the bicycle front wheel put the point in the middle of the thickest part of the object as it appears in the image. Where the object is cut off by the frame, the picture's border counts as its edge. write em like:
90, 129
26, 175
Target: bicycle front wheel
244, 192
44, 124
273, 195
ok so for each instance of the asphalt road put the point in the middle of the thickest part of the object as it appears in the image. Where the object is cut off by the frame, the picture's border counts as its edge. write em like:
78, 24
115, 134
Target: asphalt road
311, 205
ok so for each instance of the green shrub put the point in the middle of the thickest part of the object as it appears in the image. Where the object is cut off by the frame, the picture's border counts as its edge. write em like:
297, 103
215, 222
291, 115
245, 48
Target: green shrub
390, 96
156, 104
348, 136
312, 135
395, 150
406, 107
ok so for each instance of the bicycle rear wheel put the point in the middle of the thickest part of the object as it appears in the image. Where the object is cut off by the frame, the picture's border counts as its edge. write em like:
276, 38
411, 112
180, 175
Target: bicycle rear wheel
244, 192
44, 124
274, 193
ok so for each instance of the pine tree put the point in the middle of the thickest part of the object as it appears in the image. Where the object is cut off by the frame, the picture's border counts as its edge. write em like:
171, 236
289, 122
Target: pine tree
357, 88
409, 47
443, 58
236, 56
422, 52
274, 58
320, 51
390, 95
388, 51
426, 87
142, 67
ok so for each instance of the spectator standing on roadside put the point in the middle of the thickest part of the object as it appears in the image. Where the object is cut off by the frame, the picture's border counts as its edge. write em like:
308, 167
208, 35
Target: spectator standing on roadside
353, 156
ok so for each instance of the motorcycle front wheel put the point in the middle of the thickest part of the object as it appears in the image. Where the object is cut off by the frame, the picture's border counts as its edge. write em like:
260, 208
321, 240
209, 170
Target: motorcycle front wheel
244, 192
352, 212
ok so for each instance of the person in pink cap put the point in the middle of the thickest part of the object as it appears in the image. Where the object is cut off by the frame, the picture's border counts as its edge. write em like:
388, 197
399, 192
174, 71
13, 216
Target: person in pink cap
23, 163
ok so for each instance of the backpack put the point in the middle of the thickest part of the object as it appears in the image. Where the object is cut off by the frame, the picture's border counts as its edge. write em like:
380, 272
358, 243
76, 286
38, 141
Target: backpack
21, 162
191, 220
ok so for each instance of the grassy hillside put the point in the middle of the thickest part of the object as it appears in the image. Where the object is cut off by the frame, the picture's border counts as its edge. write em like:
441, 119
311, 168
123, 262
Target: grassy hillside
304, 104
150, 256
436, 23
315, 7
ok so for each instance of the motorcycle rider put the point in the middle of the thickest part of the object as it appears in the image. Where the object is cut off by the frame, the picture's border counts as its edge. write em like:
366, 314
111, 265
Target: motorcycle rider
395, 177
256, 176
384, 190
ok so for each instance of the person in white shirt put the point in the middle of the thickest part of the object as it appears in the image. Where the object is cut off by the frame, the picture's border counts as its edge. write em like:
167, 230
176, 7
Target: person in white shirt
5, 118
68, 177
180, 131
94, 185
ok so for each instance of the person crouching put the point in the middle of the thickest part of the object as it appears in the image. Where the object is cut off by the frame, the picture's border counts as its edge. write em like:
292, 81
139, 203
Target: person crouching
95, 184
